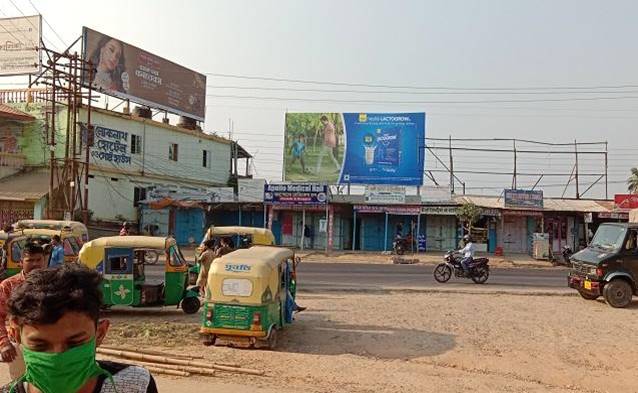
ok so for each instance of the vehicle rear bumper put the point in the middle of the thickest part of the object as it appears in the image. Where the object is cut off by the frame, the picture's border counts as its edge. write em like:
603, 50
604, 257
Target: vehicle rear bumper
578, 282
233, 332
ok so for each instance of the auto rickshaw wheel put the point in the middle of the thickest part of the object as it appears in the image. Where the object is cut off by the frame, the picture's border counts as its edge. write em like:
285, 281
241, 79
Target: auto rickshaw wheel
209, 340
191, 305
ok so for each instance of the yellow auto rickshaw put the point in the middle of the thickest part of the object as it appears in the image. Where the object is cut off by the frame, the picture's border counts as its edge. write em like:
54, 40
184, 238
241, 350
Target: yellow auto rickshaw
120, 259
11, 250
250, 295
78, 229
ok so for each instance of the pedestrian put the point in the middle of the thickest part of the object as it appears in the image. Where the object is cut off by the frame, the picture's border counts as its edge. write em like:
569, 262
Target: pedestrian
124, 231
32, 260
59, 343
57, 251
298, 151
205, 260
329, 142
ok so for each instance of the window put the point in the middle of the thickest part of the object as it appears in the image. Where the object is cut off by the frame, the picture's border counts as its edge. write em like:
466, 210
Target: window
237, 287
172, 152
206, 158
136, 144
139, 194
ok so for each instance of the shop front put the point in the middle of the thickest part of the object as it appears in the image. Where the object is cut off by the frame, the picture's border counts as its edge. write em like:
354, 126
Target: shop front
377, 226
517, 229
441, 225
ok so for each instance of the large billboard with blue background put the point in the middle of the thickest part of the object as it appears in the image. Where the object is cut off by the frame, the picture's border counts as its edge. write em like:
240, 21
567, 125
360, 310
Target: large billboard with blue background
356, 148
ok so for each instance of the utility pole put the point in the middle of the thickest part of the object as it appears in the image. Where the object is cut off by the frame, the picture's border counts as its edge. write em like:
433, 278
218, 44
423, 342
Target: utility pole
576, 170
606, 171
514, 180
451, 167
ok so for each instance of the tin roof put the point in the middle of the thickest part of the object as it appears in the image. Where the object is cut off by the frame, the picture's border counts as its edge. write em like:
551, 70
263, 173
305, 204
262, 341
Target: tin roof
550, 204
25, 186
11, 113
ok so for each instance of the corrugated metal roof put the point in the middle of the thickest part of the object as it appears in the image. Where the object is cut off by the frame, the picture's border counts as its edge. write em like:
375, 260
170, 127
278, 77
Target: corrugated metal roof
550, 204
25, 186
9, 112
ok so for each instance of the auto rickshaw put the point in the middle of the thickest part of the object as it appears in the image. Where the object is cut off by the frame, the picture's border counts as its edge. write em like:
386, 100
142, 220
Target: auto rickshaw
78, 229
11, 246
250, 295
120, 259
243, 237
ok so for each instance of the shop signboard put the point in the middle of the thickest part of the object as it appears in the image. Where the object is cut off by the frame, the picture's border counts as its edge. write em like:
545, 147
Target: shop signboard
395, 210
522, 213
356, 148
490, 212
524, 198
20, 45
385, 195
626, 201
250, 190
614, 215
296, 194
130, 73
440, 210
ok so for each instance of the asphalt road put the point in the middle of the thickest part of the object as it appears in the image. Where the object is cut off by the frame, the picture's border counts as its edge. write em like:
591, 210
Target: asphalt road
334, 276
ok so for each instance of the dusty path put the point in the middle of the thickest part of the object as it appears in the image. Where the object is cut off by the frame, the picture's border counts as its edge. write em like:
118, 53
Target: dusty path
399, 342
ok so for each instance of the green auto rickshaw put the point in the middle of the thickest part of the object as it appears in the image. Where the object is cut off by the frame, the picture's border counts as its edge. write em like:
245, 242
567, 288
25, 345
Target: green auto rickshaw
120, 259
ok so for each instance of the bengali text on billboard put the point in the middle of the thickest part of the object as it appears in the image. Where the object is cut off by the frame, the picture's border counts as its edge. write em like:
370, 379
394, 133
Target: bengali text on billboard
19, 45
357, 148
128, 72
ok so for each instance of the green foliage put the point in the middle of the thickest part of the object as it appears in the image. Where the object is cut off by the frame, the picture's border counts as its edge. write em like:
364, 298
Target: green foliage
469, 213
632, 182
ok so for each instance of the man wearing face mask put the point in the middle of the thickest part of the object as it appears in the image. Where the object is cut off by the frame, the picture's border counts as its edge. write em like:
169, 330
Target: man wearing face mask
33, 258
55, 318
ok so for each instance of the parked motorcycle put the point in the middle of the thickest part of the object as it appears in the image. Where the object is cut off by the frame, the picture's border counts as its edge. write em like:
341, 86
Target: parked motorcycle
479, 270
567, 253
401, 244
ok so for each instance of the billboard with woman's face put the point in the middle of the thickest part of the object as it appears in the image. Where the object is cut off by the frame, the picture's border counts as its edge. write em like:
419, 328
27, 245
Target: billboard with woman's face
128, 72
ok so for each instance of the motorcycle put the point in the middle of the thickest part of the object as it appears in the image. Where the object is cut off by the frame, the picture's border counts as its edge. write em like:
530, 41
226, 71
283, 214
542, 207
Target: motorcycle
401, 244
567, 253
479, 270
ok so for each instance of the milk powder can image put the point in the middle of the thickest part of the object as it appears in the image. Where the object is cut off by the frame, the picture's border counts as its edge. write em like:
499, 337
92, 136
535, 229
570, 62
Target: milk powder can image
370, 147
388, 142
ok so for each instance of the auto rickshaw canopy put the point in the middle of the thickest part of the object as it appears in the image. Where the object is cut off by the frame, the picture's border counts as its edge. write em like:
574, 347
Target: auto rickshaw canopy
77, 228
244, 276
260, 236
92, 252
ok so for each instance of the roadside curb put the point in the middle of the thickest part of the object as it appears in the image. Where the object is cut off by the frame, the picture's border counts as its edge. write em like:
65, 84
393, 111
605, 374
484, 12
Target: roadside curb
391, 290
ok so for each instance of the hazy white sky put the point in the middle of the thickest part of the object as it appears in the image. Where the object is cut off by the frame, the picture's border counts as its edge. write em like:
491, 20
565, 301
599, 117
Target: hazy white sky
459, 44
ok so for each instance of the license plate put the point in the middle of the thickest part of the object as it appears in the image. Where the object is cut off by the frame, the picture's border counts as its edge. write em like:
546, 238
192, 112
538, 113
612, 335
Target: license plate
587, 284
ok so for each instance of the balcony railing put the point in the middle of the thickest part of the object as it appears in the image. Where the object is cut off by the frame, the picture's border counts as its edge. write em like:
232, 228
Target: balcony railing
12, 160
23, 95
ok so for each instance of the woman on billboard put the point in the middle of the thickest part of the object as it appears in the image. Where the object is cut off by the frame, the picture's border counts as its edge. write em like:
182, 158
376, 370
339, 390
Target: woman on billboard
110, 71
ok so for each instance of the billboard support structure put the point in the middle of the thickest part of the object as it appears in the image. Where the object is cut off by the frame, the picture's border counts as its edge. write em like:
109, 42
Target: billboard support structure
68, 176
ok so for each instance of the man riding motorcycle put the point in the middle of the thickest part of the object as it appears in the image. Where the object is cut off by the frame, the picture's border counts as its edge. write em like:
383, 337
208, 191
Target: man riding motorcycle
468, 253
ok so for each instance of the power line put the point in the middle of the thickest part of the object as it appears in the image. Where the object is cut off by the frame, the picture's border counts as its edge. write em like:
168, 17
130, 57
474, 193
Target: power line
27, 19
47, 23
385, 102
316, 82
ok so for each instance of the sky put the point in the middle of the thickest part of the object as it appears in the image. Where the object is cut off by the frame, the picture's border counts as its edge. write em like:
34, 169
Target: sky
497, 48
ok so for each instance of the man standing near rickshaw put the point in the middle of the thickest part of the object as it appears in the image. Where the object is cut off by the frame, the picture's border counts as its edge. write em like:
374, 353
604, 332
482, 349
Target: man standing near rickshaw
57, 251
33, 258
207, 258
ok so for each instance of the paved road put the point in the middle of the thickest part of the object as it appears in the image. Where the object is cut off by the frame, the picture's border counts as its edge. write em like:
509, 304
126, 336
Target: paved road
317, 276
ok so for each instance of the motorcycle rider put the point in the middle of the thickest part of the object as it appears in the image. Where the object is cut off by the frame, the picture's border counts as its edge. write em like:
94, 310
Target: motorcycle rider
468, 253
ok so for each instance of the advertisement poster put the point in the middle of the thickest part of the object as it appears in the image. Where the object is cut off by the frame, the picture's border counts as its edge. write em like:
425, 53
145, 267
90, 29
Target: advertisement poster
524, 198
296, 194
128, 72
19, 45
357, 148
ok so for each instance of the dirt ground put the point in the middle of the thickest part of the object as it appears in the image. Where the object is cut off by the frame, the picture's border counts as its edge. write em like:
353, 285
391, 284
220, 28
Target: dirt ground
399, 342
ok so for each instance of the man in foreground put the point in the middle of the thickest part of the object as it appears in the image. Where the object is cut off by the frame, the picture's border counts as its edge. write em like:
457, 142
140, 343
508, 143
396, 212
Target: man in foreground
55, 318
33, 258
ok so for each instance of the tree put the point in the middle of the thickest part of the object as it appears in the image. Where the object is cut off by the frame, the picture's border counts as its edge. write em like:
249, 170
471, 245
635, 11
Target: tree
632, 182
469, 213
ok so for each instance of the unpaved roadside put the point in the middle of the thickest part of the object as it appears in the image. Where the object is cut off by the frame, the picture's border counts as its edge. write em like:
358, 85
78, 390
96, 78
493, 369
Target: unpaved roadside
398, 342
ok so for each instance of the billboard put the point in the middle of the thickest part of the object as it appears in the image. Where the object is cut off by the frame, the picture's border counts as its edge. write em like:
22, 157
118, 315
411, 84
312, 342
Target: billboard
296, 194
128, 72
524, 198
626, 201
357, 148
19, 45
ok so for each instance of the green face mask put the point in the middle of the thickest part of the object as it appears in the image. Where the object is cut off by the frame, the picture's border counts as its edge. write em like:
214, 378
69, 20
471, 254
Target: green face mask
64, 372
